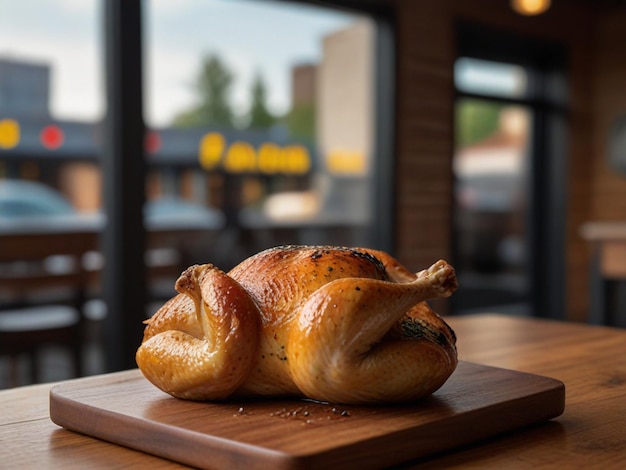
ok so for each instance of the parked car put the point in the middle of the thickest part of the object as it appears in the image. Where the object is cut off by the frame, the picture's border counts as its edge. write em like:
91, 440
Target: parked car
31, 205
20, 198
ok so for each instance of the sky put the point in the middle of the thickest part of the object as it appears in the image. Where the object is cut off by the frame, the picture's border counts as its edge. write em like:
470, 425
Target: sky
250, 36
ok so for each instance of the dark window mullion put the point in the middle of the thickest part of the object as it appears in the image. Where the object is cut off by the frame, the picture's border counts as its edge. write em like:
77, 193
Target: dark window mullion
123, 240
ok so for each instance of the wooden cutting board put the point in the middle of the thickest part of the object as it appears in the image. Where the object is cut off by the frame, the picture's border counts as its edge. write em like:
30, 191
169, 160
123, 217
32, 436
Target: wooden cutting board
477, 402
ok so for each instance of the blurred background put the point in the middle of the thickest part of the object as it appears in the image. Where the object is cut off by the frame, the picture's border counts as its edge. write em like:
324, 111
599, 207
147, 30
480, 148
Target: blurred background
478, 131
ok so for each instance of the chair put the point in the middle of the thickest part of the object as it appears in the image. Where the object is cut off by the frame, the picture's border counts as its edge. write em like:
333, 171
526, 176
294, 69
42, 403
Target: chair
42, 292
608, 272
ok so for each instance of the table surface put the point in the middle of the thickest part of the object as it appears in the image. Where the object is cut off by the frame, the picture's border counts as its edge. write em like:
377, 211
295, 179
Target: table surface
590, 360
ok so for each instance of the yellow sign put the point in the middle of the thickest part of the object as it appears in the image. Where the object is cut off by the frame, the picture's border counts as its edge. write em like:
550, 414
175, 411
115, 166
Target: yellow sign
269, 158
345, 161
296, 159
211, 149
9, 133
242, 157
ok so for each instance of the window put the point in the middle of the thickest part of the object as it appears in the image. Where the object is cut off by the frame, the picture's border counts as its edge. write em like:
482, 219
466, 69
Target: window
51, 102
263, 125
273, 133
267, 138
490, 78
510, 170
51, 107
491, 170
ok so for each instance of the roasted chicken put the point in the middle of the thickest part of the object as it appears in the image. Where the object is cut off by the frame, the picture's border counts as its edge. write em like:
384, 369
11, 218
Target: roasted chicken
342, 325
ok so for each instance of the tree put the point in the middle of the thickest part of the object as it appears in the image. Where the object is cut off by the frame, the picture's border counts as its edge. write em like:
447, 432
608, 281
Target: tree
477, 119
213, 86
300, 121
259, 116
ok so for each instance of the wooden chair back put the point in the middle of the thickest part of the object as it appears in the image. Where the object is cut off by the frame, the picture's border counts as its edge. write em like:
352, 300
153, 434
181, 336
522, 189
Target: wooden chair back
33, 288
23, 259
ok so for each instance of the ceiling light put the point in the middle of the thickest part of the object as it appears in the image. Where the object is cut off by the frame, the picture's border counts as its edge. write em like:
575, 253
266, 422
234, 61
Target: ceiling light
530, 7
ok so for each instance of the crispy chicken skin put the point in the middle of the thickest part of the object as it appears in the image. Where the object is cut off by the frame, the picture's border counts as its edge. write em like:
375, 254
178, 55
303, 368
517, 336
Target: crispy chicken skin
343, 325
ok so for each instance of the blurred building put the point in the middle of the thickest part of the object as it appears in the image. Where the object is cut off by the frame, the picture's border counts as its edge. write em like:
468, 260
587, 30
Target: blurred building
303, 84
24, 88
345, 99
345, 114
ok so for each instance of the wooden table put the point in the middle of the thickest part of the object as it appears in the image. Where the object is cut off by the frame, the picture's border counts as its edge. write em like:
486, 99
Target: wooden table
590, 360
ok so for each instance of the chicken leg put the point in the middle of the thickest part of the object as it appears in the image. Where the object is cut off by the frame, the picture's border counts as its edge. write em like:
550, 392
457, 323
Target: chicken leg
343, 349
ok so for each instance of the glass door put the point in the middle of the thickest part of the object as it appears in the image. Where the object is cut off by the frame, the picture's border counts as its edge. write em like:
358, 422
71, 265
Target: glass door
491, 194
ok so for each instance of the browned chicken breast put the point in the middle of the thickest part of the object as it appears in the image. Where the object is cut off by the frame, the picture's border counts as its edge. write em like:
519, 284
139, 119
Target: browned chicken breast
343, 325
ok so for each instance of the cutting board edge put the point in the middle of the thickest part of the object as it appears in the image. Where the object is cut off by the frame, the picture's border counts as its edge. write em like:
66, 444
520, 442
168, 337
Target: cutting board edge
395, 455
161, 443
224, 452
